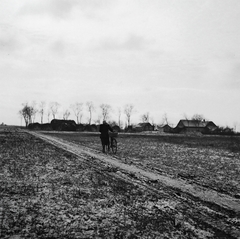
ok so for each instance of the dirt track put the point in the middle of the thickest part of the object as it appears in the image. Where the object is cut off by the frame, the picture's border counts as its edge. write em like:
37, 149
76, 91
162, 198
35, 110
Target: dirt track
215, 204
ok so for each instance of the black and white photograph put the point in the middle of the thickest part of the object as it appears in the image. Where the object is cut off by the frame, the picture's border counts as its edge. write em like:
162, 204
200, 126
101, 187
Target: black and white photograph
120, 119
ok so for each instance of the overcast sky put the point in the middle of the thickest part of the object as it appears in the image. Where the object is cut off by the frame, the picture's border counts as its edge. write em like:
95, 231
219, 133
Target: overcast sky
174, 57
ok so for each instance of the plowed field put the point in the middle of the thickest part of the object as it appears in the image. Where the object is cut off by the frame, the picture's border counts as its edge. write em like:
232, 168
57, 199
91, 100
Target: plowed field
154, 187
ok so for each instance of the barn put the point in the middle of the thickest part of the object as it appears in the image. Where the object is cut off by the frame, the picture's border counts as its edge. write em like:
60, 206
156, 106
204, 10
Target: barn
195, 126
63, 125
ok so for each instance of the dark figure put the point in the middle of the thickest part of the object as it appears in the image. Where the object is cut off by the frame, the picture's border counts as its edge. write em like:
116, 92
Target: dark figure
104, 128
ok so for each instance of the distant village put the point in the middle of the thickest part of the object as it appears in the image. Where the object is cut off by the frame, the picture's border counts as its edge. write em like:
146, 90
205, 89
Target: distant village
184, 126
196, 125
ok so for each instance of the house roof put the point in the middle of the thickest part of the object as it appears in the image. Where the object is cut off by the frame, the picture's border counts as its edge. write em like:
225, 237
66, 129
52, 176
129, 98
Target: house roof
194, 123
143, 124
167, 126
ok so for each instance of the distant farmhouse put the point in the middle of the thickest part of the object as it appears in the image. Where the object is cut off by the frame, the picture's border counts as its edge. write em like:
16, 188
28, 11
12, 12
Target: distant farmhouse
56, 124
144, 127
183, 127
193, 126
165, 129
141, 127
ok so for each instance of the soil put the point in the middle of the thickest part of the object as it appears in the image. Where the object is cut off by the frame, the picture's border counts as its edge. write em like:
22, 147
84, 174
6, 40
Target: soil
64, 187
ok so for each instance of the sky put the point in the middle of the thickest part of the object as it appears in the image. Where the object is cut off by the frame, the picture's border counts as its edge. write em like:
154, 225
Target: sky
166, 57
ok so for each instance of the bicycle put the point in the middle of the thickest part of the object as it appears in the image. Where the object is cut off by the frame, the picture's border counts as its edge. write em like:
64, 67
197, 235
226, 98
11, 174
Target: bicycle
113, 141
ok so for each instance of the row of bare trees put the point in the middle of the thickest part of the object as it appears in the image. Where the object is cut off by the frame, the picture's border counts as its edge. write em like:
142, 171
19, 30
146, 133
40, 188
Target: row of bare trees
29, 111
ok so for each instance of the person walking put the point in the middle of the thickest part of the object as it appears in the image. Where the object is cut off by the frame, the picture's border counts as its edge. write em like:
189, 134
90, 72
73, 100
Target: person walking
104, 129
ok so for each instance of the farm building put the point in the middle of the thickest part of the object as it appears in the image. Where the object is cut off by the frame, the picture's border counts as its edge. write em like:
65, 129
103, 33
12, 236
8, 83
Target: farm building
143, 127
34, 126
63, 125
192, 126
164, 129
46, 127
37, 126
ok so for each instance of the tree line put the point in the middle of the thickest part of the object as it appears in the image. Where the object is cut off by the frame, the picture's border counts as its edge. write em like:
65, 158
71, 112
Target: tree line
29, 112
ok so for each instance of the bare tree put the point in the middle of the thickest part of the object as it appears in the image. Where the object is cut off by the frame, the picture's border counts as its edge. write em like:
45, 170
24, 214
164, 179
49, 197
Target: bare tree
98, 120
27, 113
77, 109
90, 108
153, 123
235, 124
41, 110
106, 109
119, 116
24, 116
66, 114
34, 112
54, 108
145, 117
128, 110
185, 116
198, 117
165, 119
48, 114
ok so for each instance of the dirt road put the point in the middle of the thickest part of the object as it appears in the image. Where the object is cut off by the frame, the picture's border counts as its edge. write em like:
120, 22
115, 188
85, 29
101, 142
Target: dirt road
216, 210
